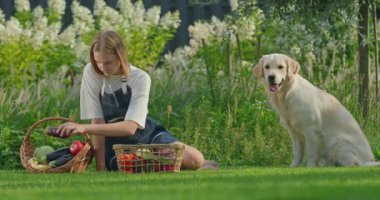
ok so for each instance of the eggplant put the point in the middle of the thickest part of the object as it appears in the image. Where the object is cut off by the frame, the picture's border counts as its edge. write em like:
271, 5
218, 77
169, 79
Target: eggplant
53, 131
61, 160
58, 153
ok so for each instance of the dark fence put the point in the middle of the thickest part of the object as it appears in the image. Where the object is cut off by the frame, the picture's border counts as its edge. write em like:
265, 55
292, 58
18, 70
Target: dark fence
189, 12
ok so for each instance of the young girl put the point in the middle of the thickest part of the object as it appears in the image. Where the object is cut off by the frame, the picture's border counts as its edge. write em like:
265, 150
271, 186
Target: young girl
114, 95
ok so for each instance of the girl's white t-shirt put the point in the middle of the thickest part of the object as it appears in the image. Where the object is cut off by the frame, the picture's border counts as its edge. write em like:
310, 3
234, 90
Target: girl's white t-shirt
93, 85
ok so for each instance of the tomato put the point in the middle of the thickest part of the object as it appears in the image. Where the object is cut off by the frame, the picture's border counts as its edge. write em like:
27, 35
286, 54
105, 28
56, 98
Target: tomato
159, 167
75, 147
168, 168
127, 162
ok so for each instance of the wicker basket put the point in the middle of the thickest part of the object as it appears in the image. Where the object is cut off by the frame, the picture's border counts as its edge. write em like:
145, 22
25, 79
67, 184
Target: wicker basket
149, 157
77, 164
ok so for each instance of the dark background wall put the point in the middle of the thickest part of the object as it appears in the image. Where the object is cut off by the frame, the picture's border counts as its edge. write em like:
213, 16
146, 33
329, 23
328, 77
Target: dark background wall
188, 13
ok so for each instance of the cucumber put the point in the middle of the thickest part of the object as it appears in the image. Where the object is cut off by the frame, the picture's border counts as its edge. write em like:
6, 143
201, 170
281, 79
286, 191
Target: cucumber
61, 160
57, 153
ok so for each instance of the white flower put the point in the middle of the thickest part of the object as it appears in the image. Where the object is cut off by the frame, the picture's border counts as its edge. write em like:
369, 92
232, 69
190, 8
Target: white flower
13, 27
40, 24
295, 50
52, 32
38, 38
38, 12
112, 16
126, 8
234, 4
82, 17
81, 50
201, 32
219, 28
246, 28
57, 6
99, 7
68, 36
22, 5
180, 59
170, 20
330, 45
194, 44
138, 13
152, 15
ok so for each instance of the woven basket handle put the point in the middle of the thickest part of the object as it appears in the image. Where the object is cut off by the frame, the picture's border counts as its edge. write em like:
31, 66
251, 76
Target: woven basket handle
27, 136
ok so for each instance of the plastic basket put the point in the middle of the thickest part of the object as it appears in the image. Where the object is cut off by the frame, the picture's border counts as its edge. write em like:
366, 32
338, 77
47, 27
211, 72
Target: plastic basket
77, 164
149, 157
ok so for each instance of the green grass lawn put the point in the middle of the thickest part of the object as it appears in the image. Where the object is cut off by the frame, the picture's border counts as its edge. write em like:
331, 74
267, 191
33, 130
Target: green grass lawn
227, 183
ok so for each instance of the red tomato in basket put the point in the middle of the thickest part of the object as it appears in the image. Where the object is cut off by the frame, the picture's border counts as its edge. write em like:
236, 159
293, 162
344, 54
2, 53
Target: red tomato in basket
76, 146
127, 162
158, 167
168, 168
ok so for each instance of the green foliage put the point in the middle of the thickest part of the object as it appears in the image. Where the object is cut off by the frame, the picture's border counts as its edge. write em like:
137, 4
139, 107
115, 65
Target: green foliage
22, 63
53, 16
20, 108
150, 39
24, 17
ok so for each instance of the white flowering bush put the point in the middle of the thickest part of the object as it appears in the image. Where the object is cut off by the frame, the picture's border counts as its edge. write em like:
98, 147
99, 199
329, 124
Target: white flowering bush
32, 42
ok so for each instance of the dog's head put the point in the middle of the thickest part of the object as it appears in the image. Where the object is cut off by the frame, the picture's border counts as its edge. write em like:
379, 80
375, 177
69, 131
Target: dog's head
275, 69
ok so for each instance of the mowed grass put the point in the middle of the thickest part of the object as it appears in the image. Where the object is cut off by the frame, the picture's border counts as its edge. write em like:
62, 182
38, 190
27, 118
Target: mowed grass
227, 183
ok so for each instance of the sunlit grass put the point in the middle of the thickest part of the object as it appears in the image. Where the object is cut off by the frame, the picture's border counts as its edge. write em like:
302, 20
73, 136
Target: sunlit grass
227, 183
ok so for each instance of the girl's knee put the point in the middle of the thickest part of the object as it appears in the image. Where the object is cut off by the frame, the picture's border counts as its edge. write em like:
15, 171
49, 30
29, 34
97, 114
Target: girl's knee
192, 159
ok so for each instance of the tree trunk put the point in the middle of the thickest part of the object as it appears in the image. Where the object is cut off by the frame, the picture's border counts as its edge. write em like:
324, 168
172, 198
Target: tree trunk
363, 57
376, 51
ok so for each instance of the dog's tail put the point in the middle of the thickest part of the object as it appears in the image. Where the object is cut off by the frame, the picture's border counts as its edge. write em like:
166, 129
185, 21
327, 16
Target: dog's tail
372, 164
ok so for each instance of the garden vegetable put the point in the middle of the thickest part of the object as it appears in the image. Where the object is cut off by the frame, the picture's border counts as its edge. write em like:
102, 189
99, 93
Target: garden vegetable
41, 152
57, 153
53, 131
61, 160
34, 164
144, 154
76, 146
127, 162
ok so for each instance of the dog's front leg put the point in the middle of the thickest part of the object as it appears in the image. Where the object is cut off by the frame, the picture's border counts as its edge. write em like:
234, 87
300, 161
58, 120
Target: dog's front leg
298, 149
312, 147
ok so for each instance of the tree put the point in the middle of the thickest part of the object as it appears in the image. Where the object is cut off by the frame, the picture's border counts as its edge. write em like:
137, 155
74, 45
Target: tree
363, 57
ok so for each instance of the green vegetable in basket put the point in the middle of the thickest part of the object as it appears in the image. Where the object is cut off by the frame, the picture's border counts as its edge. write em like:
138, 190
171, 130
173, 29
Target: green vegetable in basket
57, 153
144, 154
41, 152
61, 160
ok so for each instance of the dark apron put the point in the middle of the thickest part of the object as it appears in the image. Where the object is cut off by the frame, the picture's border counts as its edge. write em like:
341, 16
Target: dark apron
114, 108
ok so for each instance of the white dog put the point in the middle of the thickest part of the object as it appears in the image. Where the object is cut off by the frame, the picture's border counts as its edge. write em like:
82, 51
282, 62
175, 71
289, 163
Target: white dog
318, 124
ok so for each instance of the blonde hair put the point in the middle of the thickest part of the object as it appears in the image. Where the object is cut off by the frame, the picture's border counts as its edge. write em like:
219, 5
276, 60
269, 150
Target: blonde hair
109, 42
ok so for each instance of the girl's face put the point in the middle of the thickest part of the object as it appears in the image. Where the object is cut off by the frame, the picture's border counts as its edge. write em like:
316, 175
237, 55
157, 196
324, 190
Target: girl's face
108, 63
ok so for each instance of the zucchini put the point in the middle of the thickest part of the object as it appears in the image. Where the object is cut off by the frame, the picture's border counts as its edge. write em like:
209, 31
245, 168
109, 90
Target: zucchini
58, 153
61, 160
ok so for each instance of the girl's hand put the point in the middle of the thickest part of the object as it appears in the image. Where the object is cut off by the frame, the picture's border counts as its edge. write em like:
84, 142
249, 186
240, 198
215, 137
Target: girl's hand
69, 128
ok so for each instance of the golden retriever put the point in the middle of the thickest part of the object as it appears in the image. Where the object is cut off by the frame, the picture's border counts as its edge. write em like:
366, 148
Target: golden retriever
319, 125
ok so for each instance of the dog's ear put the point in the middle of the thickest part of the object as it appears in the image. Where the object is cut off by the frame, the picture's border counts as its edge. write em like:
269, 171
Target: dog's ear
293, 67
258, 70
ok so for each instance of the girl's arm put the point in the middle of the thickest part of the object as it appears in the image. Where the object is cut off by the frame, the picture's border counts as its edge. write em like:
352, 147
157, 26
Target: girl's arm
99, 127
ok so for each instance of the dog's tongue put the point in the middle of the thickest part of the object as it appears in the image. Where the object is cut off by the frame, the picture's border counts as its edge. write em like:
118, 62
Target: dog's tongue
273, 87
